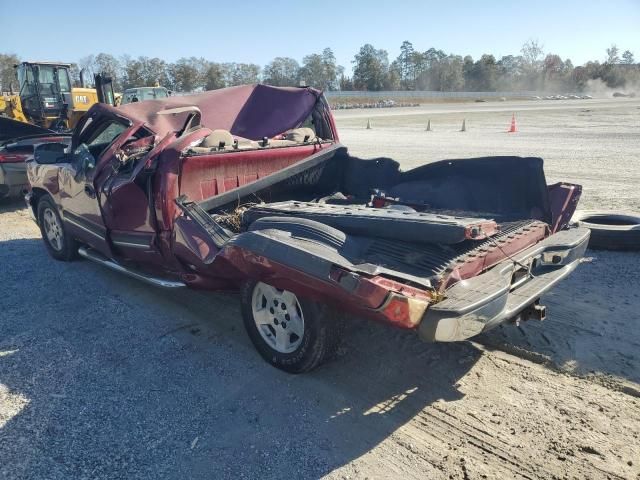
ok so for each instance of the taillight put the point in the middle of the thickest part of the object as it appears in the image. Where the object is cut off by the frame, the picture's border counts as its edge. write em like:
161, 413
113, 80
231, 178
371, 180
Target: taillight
404, 311
12, 157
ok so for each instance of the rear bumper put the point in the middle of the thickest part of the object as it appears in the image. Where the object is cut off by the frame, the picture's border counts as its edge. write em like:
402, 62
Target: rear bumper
478, 304
13, 178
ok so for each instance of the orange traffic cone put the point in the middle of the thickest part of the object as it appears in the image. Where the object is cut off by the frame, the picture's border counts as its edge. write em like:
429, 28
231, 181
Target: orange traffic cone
513, 127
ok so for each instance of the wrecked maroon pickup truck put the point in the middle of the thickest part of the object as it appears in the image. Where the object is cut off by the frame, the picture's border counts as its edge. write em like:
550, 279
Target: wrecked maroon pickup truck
249, 187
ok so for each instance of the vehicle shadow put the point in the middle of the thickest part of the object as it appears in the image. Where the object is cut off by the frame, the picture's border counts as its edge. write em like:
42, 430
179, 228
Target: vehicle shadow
11, 204
103, 376
592, 321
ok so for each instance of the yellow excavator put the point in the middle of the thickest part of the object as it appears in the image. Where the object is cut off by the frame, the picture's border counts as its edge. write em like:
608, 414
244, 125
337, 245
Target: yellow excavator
46, 101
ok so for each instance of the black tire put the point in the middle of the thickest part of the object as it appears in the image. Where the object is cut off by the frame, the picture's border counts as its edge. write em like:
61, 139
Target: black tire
611, 230
323, 328
303, 228
68, 249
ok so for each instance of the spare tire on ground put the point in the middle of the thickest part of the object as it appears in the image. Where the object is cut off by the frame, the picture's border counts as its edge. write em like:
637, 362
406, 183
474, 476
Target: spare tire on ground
611, 230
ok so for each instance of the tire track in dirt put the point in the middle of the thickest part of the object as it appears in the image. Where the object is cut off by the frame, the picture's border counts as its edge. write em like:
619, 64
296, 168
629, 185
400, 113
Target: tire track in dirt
435, 430
591, 329
512, 419
607, 358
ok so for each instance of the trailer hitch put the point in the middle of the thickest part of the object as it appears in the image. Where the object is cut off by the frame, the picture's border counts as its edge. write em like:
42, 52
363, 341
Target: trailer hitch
535, 311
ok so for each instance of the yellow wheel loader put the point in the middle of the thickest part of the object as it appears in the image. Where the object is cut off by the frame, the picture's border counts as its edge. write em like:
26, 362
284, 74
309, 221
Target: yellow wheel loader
46, 100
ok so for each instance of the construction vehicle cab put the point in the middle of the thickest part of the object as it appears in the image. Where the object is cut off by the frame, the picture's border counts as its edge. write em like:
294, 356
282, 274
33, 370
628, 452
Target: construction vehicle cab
45, 93
45, 101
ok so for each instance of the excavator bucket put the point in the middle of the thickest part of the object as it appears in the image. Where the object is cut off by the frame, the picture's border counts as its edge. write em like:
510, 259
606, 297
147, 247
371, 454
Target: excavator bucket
10, 128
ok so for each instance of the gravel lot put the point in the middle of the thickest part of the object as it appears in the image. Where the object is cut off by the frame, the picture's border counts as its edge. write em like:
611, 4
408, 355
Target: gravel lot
105, 377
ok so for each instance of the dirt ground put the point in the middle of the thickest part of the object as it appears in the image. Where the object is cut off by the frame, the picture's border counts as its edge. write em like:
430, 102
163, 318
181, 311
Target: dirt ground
591, 142
104, 377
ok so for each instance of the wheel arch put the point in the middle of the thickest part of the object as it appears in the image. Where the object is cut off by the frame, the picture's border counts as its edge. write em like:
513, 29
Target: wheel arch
37, 194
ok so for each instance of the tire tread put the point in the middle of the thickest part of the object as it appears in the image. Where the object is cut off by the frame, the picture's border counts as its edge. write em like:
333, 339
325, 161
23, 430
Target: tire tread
326, 327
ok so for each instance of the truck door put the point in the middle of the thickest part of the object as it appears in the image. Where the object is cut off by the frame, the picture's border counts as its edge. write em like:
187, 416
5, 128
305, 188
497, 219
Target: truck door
127, 198
94, 142
108, 197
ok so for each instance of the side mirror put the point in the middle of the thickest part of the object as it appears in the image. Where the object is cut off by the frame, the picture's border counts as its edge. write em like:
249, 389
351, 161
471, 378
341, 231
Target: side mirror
83, 161
49, 153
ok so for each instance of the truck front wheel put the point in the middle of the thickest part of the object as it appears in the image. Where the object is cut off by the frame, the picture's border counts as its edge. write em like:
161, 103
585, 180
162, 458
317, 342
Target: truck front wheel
294, 335
56, 239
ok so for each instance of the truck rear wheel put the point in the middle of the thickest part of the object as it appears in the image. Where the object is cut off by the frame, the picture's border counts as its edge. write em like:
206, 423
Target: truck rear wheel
292, 334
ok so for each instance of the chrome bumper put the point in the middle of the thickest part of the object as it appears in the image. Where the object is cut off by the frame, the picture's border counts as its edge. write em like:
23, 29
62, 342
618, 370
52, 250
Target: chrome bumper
480, 303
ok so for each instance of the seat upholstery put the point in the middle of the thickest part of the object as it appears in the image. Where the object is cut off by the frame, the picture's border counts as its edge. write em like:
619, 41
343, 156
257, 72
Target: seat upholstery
218, 137
299, 135
245, 144
281, 143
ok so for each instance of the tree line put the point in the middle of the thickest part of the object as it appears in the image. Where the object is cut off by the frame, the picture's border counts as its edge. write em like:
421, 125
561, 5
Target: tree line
532, 70
191, 74
412, 69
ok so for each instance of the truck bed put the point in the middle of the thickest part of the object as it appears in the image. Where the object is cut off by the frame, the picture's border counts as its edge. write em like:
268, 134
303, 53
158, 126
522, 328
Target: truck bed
363, 235
467, 215
425, 245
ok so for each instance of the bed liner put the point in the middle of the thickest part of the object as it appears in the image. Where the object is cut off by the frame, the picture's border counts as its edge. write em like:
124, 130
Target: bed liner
381, 222
424, 264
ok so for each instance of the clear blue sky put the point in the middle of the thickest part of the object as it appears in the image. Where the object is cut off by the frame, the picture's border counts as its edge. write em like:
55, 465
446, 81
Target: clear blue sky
250, 31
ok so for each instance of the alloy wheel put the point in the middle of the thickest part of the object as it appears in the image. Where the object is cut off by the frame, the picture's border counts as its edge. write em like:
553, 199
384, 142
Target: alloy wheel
278, 317
53, 229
